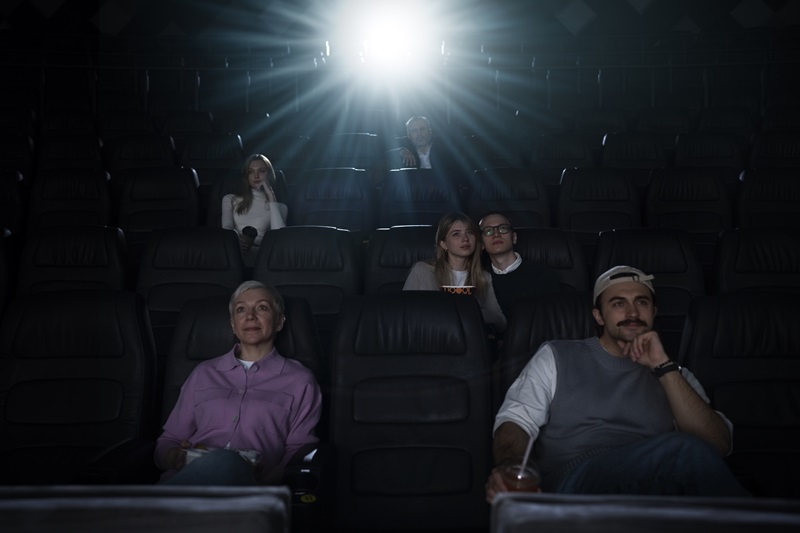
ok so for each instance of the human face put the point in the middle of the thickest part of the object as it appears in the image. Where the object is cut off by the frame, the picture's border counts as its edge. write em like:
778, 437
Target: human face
626, 311
497, 243
254, 321
419, 133
257, 173
460, 240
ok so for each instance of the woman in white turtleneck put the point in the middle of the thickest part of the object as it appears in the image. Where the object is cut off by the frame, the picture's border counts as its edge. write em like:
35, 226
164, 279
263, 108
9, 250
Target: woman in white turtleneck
256, 206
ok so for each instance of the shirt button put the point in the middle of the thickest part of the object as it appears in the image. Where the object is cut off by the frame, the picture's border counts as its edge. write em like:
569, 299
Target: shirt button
235, 418
241, 391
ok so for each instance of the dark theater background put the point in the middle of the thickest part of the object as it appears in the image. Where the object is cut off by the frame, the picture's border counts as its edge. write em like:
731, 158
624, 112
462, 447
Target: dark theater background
663, 134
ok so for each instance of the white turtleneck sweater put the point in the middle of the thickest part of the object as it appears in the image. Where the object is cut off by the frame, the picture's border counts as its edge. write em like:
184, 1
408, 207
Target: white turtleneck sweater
262, 215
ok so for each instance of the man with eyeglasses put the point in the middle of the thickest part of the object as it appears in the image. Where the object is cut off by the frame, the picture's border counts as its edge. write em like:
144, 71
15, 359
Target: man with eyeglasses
512, 277
613, 414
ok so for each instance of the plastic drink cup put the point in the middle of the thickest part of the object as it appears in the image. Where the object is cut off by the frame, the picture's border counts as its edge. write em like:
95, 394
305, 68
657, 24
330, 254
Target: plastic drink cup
249, 233
520, 479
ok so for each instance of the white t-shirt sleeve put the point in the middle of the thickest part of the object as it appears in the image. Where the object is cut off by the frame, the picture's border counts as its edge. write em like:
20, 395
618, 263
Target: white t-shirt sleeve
698, 388
527, 402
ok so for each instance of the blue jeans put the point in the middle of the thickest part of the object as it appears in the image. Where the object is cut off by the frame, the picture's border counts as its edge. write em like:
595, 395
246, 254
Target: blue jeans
217, 467
670, 464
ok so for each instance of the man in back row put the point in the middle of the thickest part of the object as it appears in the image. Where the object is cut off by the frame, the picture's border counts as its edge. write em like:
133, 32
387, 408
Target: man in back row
613, 414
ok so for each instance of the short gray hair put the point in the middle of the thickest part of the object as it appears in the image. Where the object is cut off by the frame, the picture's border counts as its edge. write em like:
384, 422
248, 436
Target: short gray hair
278, 304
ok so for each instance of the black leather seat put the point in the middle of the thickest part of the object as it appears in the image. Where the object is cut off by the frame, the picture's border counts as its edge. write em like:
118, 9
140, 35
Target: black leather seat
416, 196
556, 513
557, 249
534, 321
745, 350
768, 198
181, 264
76, 386
513, 191
76, 197
694, 200
74, 257
154, 198
157, 509
390, 254
318, 263
410, 420
758, 259
339, 197
592, 200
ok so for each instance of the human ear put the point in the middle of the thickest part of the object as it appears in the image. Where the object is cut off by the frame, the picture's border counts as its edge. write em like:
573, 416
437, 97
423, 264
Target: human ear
598, 317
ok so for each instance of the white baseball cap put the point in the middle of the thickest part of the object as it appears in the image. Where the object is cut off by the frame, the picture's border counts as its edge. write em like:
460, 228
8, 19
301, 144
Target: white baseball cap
621, 274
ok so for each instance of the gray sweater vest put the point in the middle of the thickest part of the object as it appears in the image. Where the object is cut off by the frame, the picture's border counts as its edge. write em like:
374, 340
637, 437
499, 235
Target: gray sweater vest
601, 401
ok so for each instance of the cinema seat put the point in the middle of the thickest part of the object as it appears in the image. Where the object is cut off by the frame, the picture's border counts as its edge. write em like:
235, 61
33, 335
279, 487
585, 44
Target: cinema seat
557, 513
77, 389
745, 350
410, 423
156, 509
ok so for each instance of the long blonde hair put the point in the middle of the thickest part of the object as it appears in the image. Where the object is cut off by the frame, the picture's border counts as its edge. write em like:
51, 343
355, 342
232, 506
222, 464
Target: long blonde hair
246, 191
441, 264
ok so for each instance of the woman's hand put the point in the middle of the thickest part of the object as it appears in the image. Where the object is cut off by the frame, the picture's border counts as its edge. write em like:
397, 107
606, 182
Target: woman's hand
176, 457
269, 192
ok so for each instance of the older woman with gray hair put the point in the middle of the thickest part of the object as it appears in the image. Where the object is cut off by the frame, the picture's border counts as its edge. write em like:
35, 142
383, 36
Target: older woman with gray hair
240, 417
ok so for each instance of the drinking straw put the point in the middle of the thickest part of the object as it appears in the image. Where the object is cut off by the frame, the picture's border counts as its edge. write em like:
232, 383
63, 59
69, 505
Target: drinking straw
525, 458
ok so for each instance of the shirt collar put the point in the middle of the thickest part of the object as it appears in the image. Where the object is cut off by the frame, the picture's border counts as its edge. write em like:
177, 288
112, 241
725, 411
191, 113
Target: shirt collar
272, 362
510, 268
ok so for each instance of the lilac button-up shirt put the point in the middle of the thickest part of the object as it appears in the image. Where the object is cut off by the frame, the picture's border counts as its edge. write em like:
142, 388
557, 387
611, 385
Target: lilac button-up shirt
272, 408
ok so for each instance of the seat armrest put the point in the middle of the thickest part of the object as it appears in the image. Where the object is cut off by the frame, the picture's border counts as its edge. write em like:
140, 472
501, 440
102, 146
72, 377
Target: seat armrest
126, 463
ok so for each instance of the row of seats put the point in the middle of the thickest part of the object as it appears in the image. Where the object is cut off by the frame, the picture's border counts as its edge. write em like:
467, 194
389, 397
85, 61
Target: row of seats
410, 403
325, 265
702, 201
597, 137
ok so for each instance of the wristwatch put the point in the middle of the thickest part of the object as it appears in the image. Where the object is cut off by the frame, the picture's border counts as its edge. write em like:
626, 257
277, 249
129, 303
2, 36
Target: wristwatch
666, 368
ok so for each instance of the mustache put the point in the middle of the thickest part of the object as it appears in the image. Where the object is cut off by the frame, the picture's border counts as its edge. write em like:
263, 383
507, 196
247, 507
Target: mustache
633, 322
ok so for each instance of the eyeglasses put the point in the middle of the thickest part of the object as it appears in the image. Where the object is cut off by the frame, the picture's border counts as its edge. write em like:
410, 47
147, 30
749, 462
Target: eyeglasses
502, 229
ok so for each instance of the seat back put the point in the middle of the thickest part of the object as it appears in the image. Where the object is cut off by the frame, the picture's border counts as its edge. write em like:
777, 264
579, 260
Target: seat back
592, 200
557, 249
769, 198
136, 150
745, 350
70, 150
390, 254
356, 150
533, 322
515, 192
693, 200
415, 196
157, 508
637, 153
555, 513
775, 149
155, 198
73, 257
73, 385
338, 197
75, 197
758, 259
318, 263
410, 415
670, 256
180, 264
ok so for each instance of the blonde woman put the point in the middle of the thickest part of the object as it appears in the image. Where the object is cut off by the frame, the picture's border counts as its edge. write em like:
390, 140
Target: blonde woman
256, 206
458, 262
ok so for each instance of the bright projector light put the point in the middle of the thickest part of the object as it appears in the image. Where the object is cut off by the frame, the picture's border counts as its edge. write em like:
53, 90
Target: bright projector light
386, 35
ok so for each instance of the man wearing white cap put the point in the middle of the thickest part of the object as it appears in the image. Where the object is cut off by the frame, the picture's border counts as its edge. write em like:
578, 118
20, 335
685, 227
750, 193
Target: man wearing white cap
613, 413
